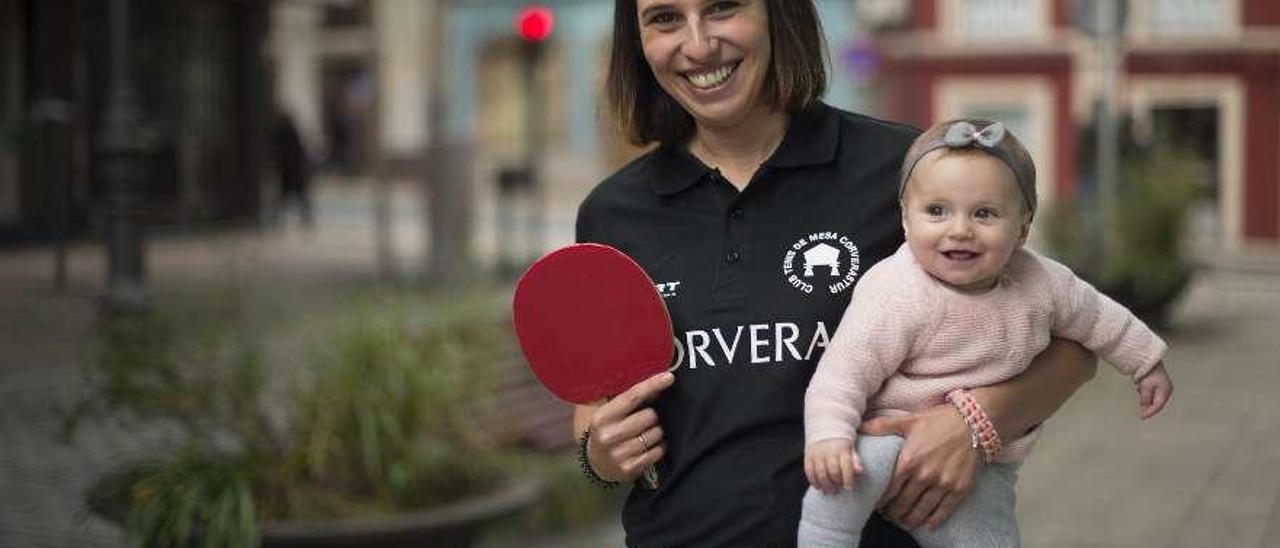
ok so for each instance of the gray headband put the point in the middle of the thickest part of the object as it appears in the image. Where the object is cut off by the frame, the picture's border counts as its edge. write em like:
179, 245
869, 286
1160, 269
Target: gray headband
993, 139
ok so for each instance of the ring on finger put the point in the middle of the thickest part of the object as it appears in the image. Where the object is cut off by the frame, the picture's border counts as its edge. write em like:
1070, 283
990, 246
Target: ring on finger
643, 442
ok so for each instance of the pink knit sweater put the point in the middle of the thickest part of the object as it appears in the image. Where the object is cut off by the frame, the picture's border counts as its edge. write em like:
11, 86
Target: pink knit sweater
906, 340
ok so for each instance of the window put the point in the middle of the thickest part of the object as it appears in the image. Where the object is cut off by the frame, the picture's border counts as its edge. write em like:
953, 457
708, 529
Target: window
981, 19
1186, 15
1208, 113
1182, 17
1024, 104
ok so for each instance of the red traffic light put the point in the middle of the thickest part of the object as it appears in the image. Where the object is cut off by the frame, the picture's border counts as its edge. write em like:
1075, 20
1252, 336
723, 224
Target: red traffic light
534, 23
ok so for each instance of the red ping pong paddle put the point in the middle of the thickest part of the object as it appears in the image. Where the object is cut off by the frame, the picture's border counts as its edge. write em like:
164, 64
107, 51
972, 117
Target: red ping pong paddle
591, 324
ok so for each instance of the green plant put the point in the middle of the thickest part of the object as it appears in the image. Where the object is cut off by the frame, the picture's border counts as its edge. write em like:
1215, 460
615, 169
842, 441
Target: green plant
200, 368
1132, 250
378, 419
170, 501
387, 407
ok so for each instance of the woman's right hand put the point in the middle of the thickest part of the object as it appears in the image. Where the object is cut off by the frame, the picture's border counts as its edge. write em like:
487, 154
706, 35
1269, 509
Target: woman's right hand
625, 436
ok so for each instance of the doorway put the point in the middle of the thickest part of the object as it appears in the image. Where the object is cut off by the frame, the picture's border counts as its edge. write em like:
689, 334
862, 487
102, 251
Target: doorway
348, 102
1194, 130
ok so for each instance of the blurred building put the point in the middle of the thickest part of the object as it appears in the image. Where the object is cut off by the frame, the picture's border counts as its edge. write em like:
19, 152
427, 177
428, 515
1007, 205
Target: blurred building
202, 84
1205, 73
361, 76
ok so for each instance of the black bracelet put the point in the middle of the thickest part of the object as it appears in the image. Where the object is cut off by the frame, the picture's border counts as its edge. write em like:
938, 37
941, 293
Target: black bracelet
585, 463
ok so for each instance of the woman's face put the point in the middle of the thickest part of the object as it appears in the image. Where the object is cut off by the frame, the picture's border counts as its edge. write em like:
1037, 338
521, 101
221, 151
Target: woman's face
711, 56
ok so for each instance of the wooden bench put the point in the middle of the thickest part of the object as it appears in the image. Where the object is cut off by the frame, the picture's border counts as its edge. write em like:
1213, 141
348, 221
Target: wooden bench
524, 413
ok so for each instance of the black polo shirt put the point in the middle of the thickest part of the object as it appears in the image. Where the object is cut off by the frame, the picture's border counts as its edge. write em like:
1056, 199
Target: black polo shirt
756, 282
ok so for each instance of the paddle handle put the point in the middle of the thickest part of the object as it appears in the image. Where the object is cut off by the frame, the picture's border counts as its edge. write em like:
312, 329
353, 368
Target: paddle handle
650, 476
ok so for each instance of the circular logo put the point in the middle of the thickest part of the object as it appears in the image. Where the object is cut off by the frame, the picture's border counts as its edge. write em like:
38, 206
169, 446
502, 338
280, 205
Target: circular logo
827, 261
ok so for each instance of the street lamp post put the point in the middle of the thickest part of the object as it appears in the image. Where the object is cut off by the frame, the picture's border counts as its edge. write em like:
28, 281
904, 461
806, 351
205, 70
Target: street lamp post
123, 169
534, 128
534, 24
1108, 150
449, 175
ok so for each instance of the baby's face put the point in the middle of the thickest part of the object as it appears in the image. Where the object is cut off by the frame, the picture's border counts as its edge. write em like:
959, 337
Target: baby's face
964, 217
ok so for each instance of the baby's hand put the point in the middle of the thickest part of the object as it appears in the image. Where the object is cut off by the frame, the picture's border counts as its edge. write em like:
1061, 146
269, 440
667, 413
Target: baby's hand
1154, 391
831, 464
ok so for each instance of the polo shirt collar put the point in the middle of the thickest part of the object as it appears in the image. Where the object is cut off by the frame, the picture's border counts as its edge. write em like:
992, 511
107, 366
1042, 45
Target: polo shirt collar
812, 137
674, 169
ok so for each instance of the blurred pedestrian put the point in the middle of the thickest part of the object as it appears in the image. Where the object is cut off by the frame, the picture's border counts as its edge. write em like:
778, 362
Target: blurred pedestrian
293, 165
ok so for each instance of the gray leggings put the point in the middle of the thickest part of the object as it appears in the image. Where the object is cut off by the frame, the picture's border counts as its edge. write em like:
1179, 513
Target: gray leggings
984, 520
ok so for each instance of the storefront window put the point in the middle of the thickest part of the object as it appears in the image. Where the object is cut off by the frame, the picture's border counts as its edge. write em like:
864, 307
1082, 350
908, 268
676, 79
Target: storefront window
997, 18
1188, 16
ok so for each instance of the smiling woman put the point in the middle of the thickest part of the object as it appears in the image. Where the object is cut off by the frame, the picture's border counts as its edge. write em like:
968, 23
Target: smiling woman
766, 205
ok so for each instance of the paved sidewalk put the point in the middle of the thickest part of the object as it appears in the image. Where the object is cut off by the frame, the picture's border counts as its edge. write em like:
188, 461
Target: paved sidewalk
1201, 474
42, 479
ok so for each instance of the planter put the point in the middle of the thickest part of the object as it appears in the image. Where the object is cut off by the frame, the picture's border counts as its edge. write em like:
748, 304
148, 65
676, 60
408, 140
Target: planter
1152, 307
456, 525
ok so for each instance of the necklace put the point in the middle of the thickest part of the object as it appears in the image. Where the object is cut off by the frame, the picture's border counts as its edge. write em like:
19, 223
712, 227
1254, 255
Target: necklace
732, 169
712, 159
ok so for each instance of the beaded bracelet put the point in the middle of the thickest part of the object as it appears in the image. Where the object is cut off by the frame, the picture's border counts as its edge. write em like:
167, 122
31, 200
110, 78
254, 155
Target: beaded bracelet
983, 433
585, 463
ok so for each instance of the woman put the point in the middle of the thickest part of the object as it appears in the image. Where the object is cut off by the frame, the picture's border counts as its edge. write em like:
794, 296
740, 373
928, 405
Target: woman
755, 215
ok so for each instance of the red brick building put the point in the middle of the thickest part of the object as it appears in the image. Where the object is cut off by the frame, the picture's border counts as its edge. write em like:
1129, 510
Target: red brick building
1204, 71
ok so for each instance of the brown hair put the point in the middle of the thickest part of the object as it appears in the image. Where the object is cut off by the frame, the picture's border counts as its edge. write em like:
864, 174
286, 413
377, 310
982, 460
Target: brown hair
645, 112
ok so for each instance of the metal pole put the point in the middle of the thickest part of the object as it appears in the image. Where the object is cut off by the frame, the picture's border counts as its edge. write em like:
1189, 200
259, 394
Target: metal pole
383, 236
502, 215
437, 269
449, 176
534, 139
123, 168
1108, 119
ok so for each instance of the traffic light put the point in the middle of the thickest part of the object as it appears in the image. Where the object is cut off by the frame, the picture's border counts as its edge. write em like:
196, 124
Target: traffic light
534, 23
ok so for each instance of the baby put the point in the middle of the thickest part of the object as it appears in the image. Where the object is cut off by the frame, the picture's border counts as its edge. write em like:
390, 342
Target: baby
960, 305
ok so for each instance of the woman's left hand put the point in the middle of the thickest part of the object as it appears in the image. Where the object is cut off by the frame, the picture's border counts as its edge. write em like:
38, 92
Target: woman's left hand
935, 469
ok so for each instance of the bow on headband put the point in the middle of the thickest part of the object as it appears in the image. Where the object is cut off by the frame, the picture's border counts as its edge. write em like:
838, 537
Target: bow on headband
964, 134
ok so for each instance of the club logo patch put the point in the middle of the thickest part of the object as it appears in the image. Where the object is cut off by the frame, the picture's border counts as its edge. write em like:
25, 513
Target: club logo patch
826, 260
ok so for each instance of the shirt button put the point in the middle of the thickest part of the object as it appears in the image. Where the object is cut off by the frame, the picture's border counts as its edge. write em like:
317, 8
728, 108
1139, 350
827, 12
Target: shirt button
735, 214
733, 256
